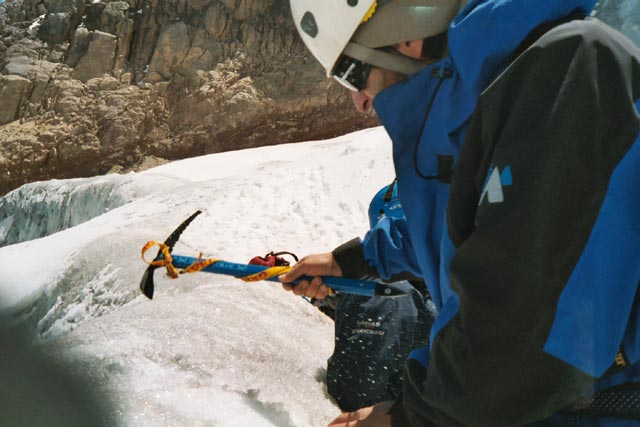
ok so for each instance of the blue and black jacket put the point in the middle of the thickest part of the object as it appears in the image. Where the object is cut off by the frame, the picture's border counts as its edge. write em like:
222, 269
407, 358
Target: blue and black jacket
528, 130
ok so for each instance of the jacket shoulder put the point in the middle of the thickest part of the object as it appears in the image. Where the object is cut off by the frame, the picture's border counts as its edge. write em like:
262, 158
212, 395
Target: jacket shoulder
589, 33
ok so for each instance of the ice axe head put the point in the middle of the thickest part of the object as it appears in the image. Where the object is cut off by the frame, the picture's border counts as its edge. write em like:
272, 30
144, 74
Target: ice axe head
146, 284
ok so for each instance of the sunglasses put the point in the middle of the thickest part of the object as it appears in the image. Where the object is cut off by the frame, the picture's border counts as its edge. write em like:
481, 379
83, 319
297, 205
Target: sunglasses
351, 73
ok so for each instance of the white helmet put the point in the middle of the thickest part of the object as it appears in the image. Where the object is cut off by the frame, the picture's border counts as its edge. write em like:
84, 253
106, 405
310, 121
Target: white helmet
326, 26
356, 28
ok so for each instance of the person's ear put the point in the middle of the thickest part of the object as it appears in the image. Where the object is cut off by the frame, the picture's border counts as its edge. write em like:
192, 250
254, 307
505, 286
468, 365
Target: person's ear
412, 48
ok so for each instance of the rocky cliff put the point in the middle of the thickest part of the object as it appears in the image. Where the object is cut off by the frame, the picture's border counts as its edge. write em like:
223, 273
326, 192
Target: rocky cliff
94, 86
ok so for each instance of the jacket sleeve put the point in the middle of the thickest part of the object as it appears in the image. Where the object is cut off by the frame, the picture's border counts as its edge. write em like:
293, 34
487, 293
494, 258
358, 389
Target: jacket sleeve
386, 251
543, 221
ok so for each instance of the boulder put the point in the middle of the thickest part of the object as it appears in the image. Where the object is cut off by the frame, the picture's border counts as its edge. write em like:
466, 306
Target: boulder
114, 18
56, 28
95, 56
170, 50
14, 90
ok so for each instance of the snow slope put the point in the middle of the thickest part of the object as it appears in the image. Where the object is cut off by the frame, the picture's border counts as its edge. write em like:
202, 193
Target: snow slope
208, 350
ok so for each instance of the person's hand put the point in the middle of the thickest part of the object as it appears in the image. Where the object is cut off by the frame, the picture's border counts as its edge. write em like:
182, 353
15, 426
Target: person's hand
373, 416
312, 265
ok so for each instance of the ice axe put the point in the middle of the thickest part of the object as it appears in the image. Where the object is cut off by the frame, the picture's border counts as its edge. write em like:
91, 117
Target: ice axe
246, 272
146, 284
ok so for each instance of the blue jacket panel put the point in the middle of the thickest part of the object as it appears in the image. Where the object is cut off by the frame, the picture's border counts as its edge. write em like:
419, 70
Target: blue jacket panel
539, 272
428, 118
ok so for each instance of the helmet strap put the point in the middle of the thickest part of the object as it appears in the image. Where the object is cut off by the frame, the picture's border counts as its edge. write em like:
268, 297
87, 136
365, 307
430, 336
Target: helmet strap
386, 60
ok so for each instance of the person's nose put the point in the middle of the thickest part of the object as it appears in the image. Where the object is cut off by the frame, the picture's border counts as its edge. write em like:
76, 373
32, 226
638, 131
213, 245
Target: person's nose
361, 101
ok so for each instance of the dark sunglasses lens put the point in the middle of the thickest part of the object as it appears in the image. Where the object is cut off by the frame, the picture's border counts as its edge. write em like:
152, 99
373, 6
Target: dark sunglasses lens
352, 73
434, 46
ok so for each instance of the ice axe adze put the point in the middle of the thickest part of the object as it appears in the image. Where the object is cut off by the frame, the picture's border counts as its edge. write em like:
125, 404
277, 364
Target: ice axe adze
247, 272
146, 284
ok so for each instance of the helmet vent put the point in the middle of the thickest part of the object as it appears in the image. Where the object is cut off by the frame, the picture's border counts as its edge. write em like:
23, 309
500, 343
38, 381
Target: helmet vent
309, 25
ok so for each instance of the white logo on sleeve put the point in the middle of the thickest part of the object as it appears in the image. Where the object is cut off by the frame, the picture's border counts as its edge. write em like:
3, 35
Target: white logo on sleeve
494, 185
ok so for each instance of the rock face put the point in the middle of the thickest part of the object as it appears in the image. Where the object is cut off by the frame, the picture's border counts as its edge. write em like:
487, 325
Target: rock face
94, 86
91, 86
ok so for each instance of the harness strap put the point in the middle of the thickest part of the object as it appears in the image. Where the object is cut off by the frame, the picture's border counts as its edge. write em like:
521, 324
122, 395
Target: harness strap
620, 402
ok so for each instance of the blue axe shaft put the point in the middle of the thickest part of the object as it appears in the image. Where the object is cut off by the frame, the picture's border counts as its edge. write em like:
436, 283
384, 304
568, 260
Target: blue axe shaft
339, 284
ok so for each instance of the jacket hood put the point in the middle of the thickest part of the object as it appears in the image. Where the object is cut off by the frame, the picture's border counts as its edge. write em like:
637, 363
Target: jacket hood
426, 115
482, 40
484, 34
